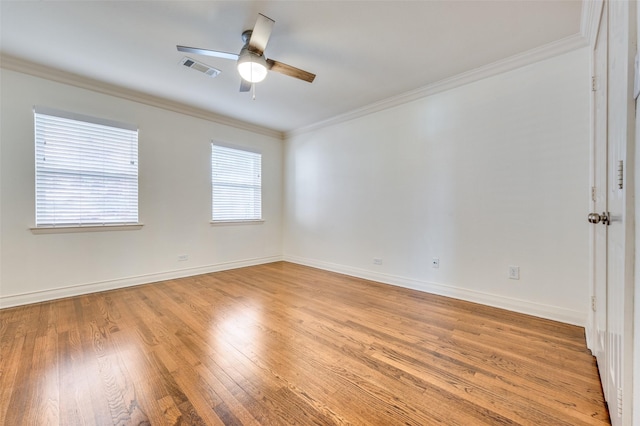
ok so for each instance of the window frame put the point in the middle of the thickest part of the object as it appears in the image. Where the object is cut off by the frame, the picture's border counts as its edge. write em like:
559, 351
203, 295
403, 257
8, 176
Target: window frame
234, 221
103, 222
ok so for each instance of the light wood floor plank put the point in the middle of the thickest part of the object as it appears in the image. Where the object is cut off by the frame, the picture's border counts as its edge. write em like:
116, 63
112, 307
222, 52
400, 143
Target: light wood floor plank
282, 344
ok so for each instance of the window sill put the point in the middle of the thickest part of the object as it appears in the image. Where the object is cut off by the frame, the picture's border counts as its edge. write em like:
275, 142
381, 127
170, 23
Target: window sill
85, 228
236, 222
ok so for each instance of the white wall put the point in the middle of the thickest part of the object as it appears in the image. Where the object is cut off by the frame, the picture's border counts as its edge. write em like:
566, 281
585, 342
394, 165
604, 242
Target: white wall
174, 200
487, 175
490, 174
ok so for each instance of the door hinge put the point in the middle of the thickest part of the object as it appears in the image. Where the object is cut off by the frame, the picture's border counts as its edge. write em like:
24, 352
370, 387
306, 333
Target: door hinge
593, 194
619, 397
620, 174
593, 83
593, 303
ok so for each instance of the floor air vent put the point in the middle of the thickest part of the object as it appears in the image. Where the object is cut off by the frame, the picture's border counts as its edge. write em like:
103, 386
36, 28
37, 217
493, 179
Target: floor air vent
199, 66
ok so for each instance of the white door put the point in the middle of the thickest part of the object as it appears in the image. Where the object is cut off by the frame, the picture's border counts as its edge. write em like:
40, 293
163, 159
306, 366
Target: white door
620, 108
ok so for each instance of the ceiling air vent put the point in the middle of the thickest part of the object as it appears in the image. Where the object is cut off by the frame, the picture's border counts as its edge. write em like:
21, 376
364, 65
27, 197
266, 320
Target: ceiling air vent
199, 66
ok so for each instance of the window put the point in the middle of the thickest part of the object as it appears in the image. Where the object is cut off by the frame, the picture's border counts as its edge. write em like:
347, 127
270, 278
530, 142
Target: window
236, 190
86, 170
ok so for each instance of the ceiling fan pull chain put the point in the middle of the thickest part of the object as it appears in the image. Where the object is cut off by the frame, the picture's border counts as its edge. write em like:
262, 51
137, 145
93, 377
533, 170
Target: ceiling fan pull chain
253, 87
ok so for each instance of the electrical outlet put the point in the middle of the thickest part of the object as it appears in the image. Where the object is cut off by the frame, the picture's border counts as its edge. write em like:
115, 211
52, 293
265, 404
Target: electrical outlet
514, 272
435, 262
377, 261
183, 257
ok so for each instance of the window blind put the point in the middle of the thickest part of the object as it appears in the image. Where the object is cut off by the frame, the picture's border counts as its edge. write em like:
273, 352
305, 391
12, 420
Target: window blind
236, 190
86, 170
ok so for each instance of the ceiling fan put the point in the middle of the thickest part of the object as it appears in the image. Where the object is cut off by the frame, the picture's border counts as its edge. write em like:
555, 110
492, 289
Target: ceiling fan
252, 64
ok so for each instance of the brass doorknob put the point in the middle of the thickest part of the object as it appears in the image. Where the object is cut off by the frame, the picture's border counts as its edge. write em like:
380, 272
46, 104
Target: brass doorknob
597, 218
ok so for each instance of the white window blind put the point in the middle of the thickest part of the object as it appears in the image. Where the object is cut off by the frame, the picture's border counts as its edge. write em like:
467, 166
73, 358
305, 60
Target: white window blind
236, 190
86, 170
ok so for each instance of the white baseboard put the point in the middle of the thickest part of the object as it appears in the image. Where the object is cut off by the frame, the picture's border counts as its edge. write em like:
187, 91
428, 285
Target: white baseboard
77, 290
516, 305
589, 332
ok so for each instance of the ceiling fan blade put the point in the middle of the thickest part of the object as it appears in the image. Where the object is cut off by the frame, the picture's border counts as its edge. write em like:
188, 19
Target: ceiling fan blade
245, 86
290, 71
261, 33
207, 52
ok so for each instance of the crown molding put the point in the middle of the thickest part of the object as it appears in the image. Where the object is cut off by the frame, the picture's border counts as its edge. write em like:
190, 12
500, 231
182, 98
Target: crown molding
591, 10
13, 63
590, 19
549, 50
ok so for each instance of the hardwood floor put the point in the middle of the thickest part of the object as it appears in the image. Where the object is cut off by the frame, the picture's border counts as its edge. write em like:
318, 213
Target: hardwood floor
286, 344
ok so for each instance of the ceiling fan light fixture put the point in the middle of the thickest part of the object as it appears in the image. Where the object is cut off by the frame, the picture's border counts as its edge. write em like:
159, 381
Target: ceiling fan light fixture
251, 66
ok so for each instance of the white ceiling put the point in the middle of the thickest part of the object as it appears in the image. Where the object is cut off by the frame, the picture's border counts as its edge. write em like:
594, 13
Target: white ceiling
361, 51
